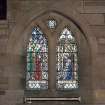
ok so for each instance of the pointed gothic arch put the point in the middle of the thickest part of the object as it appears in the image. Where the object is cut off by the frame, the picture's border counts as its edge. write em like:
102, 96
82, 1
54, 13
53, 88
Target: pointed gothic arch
82, 35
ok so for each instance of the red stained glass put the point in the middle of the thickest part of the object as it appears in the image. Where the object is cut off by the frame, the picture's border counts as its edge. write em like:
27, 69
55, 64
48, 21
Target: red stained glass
37, 61
38, 69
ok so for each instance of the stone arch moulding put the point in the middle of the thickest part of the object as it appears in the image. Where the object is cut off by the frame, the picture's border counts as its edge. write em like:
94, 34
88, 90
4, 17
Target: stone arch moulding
21, 32
21, 29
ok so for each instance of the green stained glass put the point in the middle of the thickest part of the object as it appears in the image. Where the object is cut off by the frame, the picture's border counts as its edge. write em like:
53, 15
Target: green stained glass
37, 61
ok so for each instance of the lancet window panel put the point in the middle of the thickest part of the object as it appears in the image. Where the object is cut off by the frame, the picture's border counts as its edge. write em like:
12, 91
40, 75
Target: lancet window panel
67, 61
37, 61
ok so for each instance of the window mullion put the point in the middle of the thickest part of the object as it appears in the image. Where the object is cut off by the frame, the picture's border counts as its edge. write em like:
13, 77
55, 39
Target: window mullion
52, 65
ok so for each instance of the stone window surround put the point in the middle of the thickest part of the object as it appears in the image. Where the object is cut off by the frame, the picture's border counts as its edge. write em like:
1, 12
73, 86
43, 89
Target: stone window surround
83, 46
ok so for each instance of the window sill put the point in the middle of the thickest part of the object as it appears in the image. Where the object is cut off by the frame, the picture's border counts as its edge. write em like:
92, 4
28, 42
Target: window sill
31, 99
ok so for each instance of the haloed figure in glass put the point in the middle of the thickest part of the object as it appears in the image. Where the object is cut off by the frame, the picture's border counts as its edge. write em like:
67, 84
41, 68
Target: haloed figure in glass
67, 66
68, 69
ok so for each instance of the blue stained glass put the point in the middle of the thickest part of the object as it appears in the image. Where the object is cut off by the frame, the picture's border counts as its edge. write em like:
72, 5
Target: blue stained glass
37, 61
37, 36
67, 66
69, 73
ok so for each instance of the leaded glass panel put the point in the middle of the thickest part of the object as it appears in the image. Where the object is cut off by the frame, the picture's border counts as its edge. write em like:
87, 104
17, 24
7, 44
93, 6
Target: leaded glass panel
37, 61
51, 23
67, 61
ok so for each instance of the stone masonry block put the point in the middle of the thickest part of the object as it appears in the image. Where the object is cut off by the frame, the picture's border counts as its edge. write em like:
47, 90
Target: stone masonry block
95, 19
99, 96
94, 2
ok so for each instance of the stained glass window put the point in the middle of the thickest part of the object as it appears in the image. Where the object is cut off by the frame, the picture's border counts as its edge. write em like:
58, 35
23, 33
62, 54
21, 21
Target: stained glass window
51, 23
67, 61
37, 61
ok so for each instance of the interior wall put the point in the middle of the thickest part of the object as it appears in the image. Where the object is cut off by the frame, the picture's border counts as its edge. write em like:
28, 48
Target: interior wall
87, 15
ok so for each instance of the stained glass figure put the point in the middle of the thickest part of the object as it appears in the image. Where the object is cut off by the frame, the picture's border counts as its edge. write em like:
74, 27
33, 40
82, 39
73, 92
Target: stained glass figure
37, 61
51, 23
67, 61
